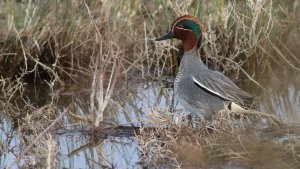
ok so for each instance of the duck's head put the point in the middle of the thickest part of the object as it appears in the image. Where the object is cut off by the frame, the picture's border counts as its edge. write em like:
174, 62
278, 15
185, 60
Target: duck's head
188, 29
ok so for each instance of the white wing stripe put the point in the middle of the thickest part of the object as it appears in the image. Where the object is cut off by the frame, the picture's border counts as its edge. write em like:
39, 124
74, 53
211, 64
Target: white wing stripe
214, 92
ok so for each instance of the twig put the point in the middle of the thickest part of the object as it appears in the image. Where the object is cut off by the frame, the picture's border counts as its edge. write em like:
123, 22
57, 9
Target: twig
91, 16
22, 46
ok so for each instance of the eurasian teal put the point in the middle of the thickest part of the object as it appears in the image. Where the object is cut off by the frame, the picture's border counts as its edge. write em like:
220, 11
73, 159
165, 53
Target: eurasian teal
198, 89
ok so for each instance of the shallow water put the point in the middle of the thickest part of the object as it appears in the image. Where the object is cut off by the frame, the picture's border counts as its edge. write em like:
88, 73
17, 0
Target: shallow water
79, 148
111, 152
283, 99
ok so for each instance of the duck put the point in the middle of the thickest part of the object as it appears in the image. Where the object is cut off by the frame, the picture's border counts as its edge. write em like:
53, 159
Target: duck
200, 90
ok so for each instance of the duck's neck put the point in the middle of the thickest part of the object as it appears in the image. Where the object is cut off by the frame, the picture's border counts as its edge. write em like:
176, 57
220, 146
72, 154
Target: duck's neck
191, 61
192, 57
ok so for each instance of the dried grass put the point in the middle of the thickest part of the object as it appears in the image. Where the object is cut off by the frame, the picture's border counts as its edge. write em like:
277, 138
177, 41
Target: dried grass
227, 140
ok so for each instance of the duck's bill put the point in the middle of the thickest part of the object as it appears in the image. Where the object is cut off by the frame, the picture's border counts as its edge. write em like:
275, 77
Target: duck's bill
169, 35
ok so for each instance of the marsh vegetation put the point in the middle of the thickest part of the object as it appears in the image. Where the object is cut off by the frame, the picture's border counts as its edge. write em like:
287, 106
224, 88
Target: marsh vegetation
84, 85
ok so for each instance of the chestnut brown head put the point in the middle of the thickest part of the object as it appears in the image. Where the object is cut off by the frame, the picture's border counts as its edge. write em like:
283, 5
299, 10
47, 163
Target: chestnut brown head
188, 29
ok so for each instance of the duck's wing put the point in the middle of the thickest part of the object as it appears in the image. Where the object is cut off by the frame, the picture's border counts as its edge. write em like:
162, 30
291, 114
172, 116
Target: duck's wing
221, 86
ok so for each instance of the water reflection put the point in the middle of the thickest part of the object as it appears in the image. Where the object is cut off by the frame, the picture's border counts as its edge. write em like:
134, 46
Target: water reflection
113, 152
9, 142
283, 99
129, 105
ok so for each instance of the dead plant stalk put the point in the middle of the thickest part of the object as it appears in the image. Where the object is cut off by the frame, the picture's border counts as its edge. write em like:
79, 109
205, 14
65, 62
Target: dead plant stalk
103, 97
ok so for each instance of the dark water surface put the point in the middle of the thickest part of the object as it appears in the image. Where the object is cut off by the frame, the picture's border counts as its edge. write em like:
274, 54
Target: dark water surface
78, 149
